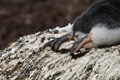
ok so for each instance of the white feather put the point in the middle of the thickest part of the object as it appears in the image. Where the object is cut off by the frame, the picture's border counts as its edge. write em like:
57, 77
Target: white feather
101, 35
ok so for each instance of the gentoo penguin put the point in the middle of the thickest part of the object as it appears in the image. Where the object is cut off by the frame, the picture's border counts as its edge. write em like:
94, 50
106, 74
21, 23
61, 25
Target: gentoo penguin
98, 26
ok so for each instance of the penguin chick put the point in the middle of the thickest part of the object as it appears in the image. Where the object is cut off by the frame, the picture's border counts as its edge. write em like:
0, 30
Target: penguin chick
98, 26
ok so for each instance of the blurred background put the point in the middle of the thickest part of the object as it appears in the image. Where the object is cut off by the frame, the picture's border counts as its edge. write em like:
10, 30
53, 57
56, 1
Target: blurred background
23, 17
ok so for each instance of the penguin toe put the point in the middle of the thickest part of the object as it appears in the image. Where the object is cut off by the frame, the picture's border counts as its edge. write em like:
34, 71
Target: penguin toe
56, 43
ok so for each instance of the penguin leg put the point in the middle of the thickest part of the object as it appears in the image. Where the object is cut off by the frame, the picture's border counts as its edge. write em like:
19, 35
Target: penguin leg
80, 43
56, 43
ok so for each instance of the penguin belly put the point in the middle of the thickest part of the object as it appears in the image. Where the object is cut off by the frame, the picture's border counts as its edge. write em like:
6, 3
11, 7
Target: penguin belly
102, 36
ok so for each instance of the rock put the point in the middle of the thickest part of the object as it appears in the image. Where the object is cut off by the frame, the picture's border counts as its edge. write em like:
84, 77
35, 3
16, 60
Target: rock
26, 60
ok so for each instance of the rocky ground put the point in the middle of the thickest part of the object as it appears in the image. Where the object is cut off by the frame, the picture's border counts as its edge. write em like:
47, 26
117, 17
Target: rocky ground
26, 60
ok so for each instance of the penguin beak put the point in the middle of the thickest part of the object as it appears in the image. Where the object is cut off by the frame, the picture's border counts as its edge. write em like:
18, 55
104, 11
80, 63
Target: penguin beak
80, 43
56, 43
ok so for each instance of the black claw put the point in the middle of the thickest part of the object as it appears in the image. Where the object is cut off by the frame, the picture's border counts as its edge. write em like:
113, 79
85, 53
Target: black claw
48, 44
73, 56
55, 44
59, 42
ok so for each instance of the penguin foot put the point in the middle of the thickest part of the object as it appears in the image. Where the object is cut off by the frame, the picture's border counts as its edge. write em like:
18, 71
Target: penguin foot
56, 43
80, 43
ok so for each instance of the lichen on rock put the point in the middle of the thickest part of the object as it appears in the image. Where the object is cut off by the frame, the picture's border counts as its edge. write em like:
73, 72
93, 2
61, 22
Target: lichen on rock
26, 60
